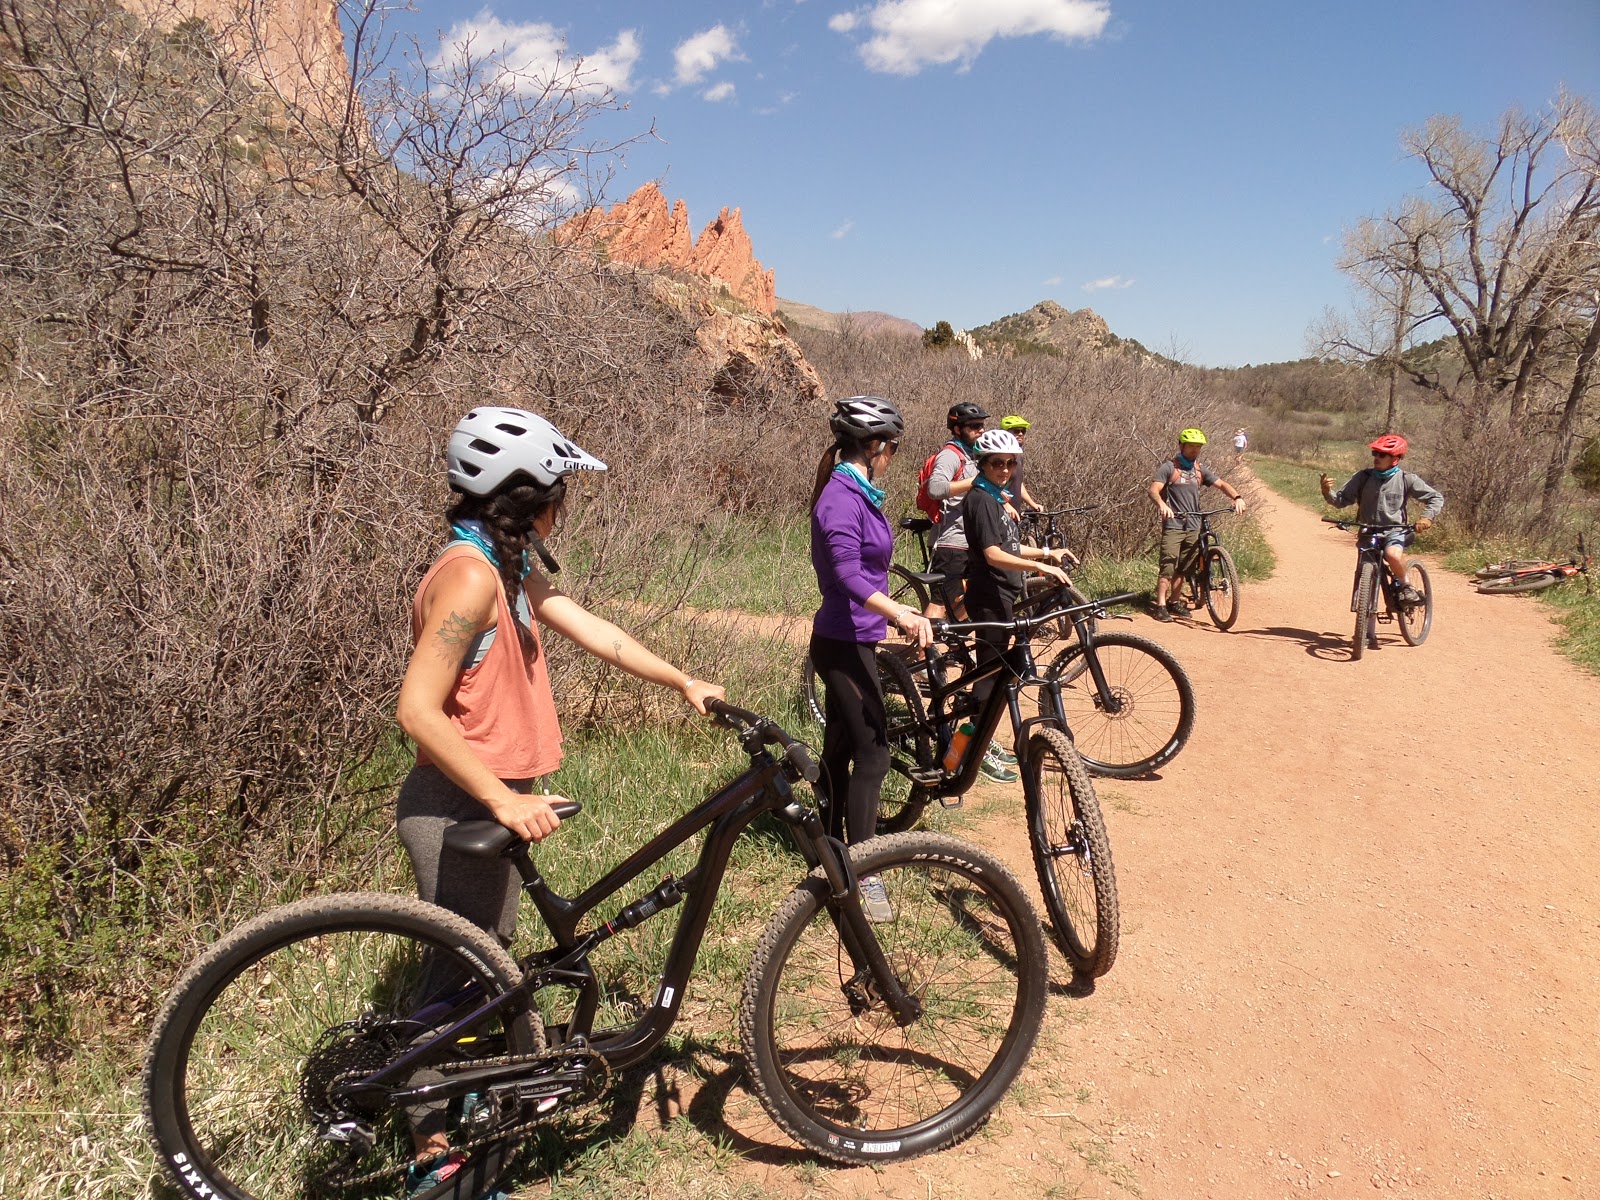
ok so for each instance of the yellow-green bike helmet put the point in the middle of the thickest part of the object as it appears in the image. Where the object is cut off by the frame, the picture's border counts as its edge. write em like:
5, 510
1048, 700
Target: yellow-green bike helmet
1014, 424
1191, 437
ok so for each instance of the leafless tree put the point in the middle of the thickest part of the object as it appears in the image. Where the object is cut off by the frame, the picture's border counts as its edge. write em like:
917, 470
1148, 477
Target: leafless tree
1497, 257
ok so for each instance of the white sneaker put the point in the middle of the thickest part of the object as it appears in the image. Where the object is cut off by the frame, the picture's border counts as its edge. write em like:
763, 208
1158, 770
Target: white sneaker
875, 900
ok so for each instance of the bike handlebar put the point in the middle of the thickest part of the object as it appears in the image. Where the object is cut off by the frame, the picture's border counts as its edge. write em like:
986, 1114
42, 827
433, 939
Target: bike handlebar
1026, 625
1344, 523
765, 731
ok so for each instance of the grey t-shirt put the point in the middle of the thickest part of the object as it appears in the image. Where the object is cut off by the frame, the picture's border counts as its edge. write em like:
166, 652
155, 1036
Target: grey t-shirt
1383, 501
1182, 491
949, 467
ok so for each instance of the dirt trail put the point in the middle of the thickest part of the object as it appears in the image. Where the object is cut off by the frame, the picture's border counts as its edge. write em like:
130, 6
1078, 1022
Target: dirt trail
1361, 924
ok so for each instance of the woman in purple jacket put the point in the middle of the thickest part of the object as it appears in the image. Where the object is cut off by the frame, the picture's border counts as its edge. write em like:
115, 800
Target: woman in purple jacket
851, 545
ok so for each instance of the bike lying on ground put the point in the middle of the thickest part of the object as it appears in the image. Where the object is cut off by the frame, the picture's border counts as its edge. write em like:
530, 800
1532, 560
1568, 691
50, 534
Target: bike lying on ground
1532, 575
1066, 831
1372, 578
1209, 571
305, 1050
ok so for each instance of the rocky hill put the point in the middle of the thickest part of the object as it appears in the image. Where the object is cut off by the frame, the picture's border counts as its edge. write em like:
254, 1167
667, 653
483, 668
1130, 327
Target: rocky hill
643, 231
1048, 326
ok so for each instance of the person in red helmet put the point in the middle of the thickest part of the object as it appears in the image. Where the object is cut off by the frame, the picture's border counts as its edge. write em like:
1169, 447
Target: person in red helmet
1382, 491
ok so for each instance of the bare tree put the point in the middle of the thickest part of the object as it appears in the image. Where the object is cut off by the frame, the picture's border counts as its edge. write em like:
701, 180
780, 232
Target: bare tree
1497, 257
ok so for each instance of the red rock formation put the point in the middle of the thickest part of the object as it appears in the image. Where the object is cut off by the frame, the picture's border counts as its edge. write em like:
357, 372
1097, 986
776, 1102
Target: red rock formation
641, 231
296, 45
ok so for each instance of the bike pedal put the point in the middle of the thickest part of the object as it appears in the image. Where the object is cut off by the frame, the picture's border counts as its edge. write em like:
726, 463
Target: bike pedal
926, 776
950, 801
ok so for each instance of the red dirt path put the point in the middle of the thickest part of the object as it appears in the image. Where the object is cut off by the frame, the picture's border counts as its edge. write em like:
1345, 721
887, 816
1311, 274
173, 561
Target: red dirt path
1361, 925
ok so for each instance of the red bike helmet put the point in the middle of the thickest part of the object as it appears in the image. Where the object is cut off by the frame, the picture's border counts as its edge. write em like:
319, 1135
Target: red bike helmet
1389, 443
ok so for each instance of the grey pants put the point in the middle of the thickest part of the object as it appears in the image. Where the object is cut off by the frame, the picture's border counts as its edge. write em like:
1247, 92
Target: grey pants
484, 892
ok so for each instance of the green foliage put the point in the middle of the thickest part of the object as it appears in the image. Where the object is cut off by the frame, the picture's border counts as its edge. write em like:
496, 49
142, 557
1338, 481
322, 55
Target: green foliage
940, 337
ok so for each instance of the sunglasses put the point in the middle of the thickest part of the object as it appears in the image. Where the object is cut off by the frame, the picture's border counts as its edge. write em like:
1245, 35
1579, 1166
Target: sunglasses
970, 425
1003, 463
1381, 454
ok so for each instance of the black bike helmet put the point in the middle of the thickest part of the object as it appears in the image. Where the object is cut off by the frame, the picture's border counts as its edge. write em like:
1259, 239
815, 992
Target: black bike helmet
965, 413
865, 418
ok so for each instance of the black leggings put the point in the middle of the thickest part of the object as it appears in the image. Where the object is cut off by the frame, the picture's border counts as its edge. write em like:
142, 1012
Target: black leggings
855, 748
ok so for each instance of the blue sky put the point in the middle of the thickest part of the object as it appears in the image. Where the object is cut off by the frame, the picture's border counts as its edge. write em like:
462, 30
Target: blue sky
1186, 169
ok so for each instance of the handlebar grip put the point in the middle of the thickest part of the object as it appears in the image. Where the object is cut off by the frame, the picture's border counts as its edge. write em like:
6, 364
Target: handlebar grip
803, 762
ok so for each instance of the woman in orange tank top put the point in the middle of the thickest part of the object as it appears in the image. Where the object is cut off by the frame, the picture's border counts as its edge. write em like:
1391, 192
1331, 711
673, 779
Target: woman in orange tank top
476, 694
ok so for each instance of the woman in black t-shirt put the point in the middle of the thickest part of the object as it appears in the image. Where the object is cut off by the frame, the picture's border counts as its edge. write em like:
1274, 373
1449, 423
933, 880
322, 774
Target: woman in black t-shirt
996, 557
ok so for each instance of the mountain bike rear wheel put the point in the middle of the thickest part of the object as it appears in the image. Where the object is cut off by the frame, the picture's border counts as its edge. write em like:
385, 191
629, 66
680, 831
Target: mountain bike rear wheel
1220, 578
1366, 606
906, 590
1416, 620
1071, 852
246, 1082
1513, 567
827, 1058
1147, 715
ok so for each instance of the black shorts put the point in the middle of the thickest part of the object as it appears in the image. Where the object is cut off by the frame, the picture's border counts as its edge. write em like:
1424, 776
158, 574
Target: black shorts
951, 562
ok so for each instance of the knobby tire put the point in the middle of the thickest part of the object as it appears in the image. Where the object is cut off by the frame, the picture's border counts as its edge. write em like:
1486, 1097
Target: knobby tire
250, 1047
1416, 620
1221, 581
911, 745
827, 1059
1156, 714
1071, 852
1366, 600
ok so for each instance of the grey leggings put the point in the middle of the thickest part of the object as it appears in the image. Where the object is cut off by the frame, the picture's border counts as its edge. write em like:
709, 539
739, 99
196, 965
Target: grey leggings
483, 892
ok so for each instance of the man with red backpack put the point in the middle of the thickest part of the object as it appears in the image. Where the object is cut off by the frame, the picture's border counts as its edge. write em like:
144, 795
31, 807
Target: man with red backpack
947, 477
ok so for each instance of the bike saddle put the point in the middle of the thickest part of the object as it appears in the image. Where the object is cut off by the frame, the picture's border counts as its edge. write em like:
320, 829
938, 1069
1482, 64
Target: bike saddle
916, 524
487, 839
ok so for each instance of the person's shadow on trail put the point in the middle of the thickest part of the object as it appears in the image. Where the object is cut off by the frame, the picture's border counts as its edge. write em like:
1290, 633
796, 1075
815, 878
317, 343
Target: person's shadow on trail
1330, 647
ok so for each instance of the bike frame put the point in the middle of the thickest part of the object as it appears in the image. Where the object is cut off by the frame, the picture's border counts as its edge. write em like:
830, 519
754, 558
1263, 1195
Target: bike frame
1018, 660
1191, 566
1368, 550
725, 815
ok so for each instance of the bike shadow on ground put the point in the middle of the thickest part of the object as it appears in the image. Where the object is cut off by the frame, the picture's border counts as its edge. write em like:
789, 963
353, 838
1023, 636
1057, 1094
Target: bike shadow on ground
1330, 647
692, 1080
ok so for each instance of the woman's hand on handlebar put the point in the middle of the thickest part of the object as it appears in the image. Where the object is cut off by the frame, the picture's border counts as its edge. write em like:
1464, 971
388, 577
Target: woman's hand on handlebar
698, 691
915, 626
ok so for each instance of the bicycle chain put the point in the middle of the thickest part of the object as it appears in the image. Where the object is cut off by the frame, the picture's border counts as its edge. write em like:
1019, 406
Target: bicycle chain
553, 1062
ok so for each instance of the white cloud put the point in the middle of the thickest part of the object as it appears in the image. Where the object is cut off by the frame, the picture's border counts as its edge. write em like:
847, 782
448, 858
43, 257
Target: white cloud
538, 52
843, 229
1053, 281
717, 92
908, 35
698, 56
1109, 283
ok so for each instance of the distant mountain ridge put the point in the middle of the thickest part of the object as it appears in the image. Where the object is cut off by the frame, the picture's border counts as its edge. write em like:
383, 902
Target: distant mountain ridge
811, 317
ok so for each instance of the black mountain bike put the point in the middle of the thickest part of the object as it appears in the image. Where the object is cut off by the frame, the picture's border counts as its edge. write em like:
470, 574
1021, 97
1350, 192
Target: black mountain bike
1209, 571
1071, 852
305, 1050
1373, 579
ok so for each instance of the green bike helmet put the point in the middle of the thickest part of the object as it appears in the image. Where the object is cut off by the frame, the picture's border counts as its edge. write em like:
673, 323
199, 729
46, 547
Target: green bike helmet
1191, 437
1014, 424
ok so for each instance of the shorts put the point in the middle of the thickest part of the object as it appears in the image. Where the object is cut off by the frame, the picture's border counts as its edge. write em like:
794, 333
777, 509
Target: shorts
951, 562
1393, 537
1174, 544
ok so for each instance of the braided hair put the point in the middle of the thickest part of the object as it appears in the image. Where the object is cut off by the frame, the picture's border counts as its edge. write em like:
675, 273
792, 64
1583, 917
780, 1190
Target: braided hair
507, 515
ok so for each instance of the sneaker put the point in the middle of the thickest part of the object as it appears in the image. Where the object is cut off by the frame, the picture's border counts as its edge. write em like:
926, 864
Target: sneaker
424, 1177
875, 900
1160, 612
1001, 755
1177, 604
997, 771
1408, 594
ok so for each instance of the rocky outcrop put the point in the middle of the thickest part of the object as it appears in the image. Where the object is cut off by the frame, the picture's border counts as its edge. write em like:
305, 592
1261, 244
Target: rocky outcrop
1047, 325
295, 45
643, 231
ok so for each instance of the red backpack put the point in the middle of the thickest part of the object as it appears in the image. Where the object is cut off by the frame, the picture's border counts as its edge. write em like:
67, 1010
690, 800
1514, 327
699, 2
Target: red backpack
930, 507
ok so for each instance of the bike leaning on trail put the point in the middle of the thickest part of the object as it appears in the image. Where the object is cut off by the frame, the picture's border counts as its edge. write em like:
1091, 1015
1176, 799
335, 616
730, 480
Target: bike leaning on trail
1375, 594
303, 1052
1209, 571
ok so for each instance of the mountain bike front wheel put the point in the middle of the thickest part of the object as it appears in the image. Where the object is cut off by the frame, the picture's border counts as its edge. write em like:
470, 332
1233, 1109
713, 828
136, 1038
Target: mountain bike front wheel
247, 1078
1416, 620
1221, 582
1071, 852
827, 1058
1140, 721
911, 746
1366, 606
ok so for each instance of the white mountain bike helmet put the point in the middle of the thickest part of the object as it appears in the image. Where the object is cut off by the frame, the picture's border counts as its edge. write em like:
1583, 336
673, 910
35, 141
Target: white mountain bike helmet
490, 445
996, 441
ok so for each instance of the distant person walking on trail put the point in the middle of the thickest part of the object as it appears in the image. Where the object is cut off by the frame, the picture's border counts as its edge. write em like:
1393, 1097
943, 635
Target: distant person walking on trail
1240, 440
997, 561
476, 695
851, 547
955, 470
1018, 491
1175, 488
1382, 491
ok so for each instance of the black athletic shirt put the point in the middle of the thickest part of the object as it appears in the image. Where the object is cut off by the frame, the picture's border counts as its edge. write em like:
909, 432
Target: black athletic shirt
989, 588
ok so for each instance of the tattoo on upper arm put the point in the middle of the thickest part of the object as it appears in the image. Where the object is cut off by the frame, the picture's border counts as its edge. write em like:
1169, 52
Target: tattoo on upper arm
454, 636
